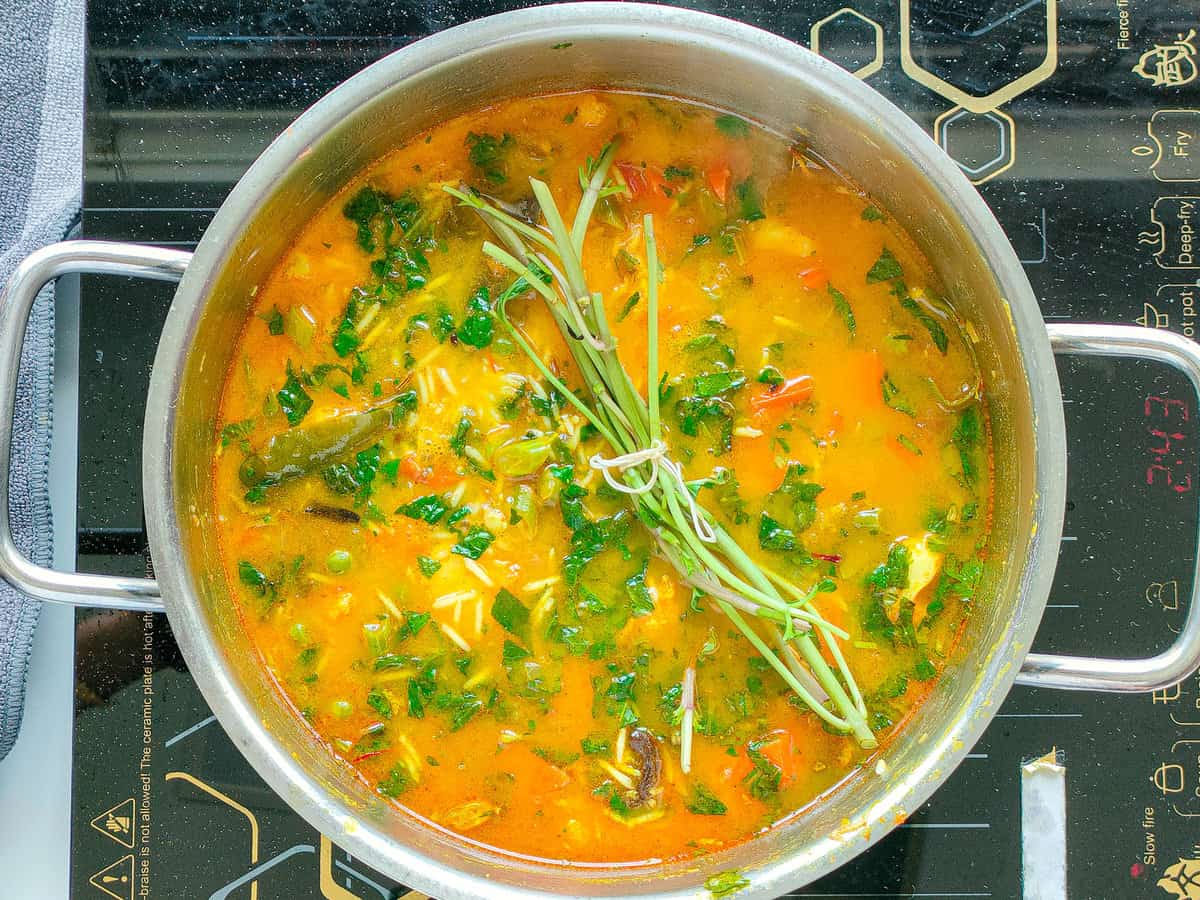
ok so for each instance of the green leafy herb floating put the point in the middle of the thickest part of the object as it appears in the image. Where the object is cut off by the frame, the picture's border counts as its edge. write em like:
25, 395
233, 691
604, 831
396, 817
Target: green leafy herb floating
549, 261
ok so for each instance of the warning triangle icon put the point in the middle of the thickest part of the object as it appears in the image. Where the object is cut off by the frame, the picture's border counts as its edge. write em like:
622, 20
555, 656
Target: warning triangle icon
117, 823
117, 879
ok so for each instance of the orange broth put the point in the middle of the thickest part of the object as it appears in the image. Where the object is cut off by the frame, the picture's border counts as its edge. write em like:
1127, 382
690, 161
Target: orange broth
804, 343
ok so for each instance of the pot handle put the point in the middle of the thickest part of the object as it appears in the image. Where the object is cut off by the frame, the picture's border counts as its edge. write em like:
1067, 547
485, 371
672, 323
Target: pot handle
1177, 662
30, 276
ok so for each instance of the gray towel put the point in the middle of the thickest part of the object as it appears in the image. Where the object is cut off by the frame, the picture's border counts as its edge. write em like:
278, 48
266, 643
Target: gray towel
41, 157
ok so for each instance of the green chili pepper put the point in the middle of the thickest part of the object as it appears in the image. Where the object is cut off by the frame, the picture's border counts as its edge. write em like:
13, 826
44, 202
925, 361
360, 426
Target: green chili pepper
310, 447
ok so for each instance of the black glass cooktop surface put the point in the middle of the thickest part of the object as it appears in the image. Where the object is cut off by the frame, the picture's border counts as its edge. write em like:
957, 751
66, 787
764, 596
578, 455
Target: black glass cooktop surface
1078, 122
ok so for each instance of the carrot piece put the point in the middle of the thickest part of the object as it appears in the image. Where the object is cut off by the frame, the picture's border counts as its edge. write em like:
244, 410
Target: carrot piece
719, 177
736, 770
427, 475
791, 393
412, 469
814, 278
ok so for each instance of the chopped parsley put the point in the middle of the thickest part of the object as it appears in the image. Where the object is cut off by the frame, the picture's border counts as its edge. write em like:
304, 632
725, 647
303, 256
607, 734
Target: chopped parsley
749, 203
511, 613
476, 327
236, 432
512, 652
641, 601
594, 745
886, 268
254, 578
274, 320
715, 384
770, 376
379, 702
732, 126
936, 332
892, 397
473, 544
966, 437
704, 802
773, 536
842, 307
487, 152
397, 782
293, 399
458, 440
429, 508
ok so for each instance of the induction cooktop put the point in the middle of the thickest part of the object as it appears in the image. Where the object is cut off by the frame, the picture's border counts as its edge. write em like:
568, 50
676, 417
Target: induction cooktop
1078, 122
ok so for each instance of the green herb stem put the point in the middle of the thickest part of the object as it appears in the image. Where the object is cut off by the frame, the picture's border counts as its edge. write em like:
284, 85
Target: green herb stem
688, 535
652, 276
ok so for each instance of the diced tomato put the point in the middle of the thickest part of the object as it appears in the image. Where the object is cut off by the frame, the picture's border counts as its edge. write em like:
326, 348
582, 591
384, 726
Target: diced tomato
647, 185
779, 749
633, 178
656, 185
718, 179
814, 278
791, 393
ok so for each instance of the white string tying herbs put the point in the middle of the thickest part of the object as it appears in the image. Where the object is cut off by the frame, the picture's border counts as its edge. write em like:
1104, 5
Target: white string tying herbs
656, 456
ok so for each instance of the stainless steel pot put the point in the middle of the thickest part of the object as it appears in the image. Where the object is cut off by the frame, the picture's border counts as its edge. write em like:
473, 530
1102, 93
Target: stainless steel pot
557, 48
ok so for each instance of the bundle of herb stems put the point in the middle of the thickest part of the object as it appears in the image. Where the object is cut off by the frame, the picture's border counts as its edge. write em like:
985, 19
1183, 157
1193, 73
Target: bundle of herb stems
550, 262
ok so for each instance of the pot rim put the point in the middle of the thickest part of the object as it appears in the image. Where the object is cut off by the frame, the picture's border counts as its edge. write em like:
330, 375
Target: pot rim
229, 702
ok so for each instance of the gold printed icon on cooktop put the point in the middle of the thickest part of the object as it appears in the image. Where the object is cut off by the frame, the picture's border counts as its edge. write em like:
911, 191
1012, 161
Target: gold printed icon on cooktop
1170, 65
1172, 232
115, 880
117, 823
979, 59
1182, 879
1172, 149
983, 145
843, 36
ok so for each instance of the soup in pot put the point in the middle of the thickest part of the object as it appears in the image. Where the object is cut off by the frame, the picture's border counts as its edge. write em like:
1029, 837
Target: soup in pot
603, 477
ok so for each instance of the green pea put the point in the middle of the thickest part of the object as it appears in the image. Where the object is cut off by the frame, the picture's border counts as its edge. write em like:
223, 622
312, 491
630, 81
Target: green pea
338, 562
298, 633
341, 709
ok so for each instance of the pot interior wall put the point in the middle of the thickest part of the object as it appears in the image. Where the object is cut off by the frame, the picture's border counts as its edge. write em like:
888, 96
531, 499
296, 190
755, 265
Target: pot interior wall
267, 211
